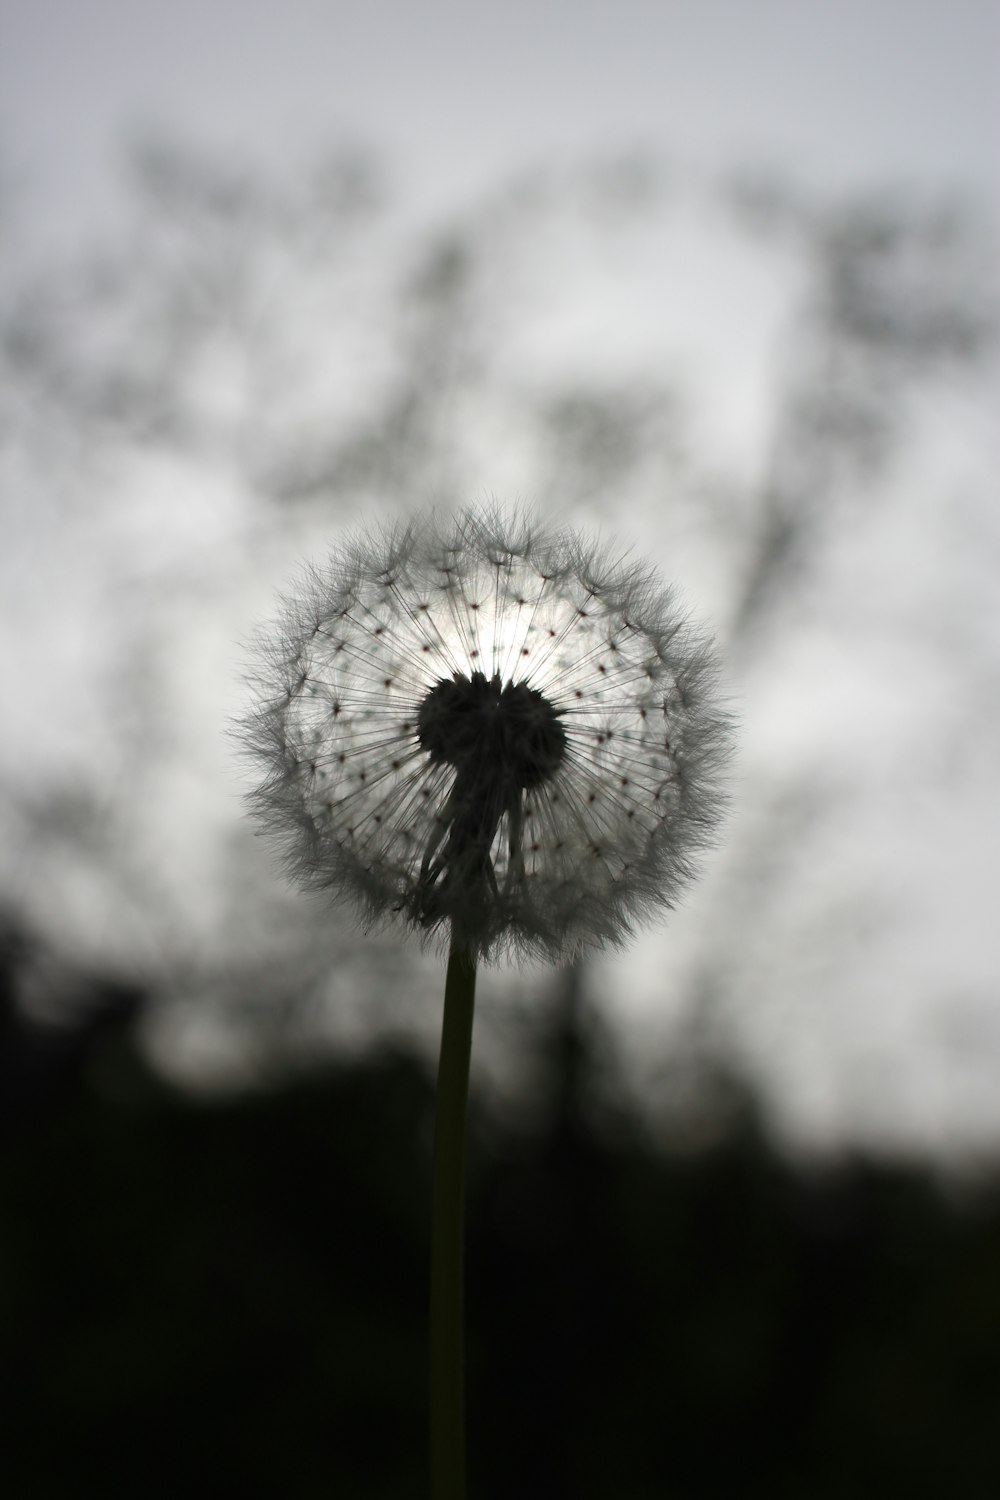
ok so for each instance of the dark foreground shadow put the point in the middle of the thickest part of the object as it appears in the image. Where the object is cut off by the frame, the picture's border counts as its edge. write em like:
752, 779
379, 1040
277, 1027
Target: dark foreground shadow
229, 1299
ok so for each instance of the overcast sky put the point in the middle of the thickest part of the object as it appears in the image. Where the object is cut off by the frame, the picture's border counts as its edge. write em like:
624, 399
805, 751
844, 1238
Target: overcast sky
457, 98
459, 93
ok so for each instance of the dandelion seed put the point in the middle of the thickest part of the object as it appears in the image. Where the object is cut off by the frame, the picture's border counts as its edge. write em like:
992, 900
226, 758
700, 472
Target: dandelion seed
438, 685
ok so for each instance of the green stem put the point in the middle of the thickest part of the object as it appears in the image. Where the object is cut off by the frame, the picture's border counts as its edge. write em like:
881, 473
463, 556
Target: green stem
447, 1194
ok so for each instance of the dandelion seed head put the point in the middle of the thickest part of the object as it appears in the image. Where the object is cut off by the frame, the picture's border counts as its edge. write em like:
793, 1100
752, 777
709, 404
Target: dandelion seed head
489, 726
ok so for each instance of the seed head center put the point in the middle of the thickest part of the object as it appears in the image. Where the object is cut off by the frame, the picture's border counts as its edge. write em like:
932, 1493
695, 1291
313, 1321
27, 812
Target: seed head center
509, 736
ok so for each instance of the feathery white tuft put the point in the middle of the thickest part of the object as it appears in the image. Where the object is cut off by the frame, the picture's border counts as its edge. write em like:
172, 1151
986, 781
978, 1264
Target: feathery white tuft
487, 726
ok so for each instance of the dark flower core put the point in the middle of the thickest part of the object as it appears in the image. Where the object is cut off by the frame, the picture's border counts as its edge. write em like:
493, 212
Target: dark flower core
509, 738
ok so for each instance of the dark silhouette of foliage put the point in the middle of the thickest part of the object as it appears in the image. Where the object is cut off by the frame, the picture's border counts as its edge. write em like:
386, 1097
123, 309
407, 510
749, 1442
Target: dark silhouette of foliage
227, 1296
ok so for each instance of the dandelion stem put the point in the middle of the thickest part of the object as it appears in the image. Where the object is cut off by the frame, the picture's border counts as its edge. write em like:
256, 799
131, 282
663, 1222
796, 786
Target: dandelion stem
447, 1195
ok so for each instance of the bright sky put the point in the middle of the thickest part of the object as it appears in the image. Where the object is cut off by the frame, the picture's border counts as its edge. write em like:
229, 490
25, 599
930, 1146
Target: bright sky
459, 93
460, 96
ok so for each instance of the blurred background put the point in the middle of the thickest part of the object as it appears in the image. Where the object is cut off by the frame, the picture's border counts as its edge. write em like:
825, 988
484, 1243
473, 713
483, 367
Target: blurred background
720, 282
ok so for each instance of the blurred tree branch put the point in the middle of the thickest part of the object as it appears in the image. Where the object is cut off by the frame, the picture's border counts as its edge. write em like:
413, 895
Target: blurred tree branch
297, 345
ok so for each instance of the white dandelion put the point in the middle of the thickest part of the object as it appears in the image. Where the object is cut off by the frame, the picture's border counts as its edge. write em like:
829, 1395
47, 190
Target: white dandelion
486, 728
489, 727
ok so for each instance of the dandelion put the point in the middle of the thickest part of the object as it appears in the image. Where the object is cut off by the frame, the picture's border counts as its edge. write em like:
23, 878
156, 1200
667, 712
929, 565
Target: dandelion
493, 732
491, 729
